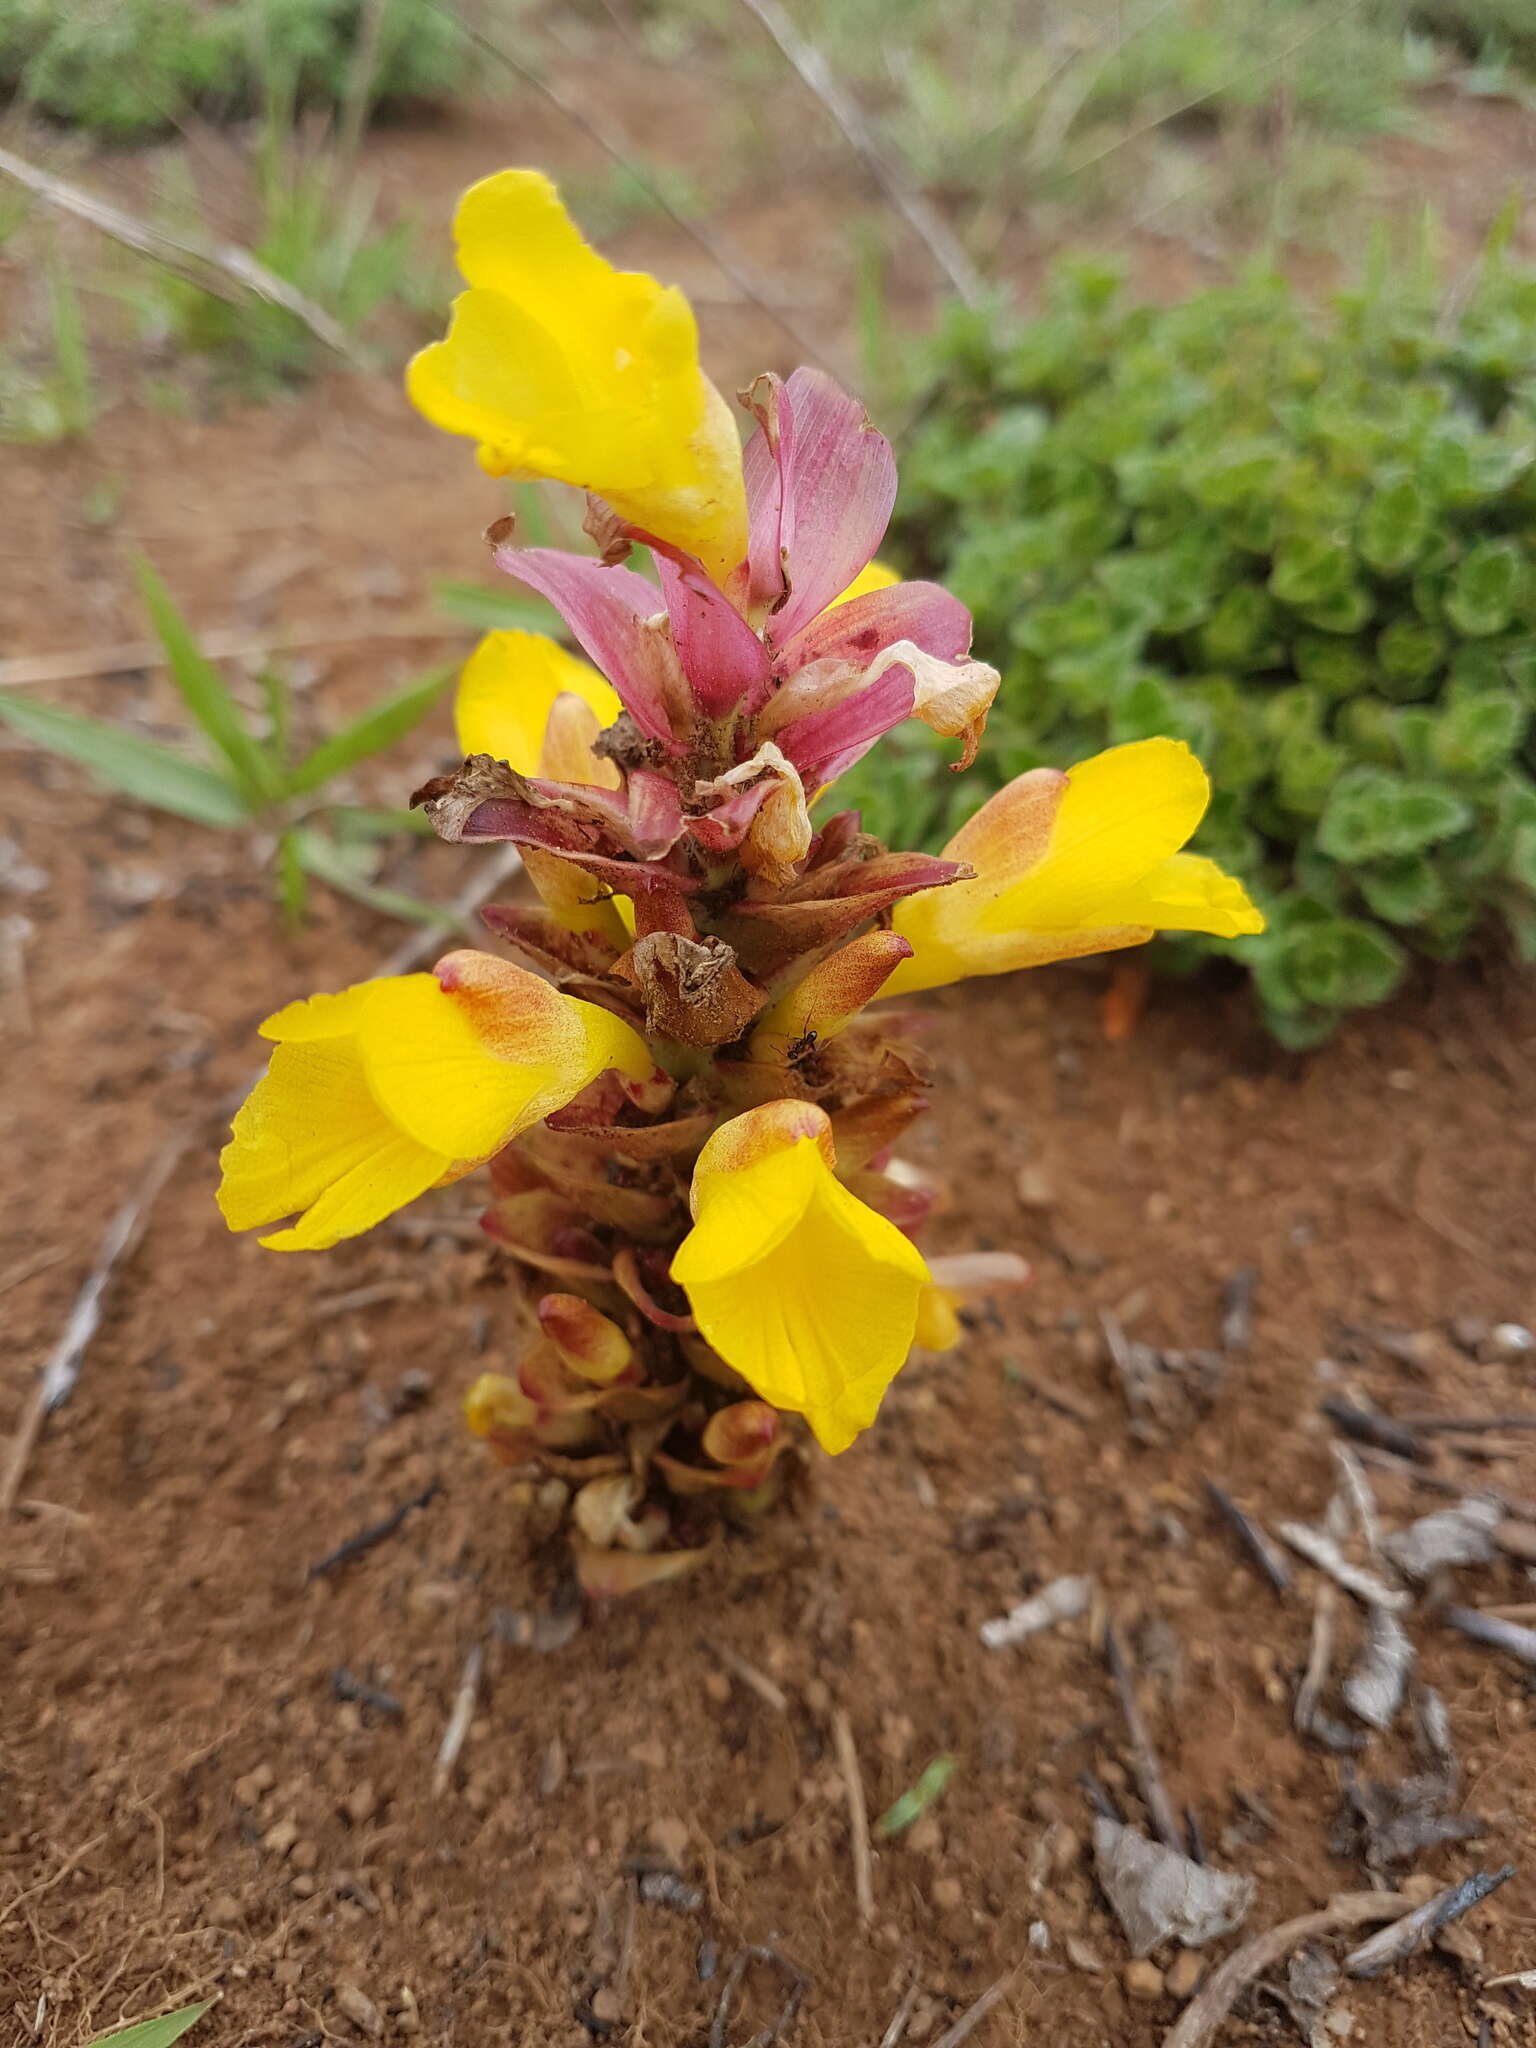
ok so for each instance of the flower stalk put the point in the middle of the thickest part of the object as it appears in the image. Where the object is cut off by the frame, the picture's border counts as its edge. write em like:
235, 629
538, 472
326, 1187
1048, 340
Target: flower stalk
688, 1107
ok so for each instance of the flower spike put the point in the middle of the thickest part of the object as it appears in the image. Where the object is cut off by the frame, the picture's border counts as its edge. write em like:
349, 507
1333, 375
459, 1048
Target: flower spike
689, 1126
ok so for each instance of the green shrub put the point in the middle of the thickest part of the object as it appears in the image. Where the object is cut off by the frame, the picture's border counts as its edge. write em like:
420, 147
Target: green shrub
1304, 542
123, 69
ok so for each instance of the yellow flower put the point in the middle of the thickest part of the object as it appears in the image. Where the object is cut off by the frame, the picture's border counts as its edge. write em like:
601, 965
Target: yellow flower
806, 1291
398, 1085
1066, 864
525, 700
875, 576
561, 366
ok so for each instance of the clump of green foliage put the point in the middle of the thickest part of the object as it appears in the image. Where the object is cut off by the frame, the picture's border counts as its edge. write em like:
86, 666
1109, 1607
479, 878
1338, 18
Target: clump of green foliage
1302, 540
249, 775
124, 69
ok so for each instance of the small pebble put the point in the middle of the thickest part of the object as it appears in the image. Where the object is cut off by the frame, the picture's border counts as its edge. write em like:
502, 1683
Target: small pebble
1508, 1342
1184, 1975
1082, 1955
222, 1910
305, 1855
361, 1802
1142, 1981
1035, 1188
604, 2006
280, 1837
946, 1893
925, 1837
360, 2009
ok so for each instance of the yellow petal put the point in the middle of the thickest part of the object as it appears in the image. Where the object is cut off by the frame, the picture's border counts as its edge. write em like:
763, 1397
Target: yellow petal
938, 1319
561, 366
1189, 893
1072, 864
875, 577
808, 1293
465, 1058
509, 688
577, 900
374, 1095
311, 1137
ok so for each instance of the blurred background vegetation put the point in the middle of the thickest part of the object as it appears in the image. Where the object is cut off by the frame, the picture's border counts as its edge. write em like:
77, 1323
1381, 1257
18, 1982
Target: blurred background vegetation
1201, 326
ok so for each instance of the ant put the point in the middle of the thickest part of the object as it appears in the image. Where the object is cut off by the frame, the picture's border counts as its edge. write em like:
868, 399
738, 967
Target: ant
801, 1048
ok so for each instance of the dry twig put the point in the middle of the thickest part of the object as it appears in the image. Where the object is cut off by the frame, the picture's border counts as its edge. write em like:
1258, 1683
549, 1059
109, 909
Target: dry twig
754, 1680
740, 1964
896, 2031
220, 643
1254, 1539
1149, 1776
1211, 2004
615, 145
375, 1533
1368, 1428
1314, 1680
923, 219
1479, 1626
192, 256
973, 2016
457, 1731
57, 1381
1396, 1943
858, 1814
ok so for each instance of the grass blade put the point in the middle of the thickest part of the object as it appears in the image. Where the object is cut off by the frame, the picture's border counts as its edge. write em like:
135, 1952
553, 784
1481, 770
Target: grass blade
484, 606
349, 823
71, 352
292, 881
137, 767
204, 693
158, 2033
339, 870
377, 728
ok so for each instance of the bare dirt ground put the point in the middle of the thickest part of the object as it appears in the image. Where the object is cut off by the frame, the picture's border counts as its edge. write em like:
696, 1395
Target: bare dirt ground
217, 1767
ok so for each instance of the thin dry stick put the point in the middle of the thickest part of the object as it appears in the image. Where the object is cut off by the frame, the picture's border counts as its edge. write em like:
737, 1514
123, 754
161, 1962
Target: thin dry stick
1210, 2006
456, 1733
1438, 1482
1253, 1537
187, 254
858, 1814
57, 1380
896, 2031
1199, 100
410, 953
615, 145
25, 1269
59, 1375
924, 220
1314, 1679
973, 2016
24, 671
1149, 1776
754, 1680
